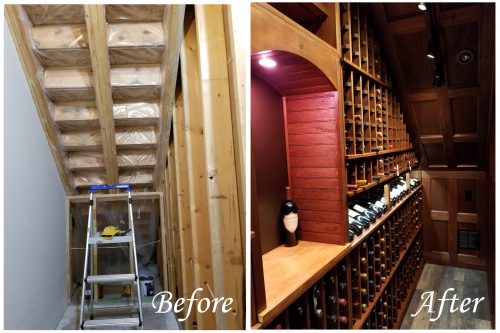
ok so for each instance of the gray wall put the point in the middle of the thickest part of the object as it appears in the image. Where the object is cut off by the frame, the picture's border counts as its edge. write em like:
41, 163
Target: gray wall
34, 232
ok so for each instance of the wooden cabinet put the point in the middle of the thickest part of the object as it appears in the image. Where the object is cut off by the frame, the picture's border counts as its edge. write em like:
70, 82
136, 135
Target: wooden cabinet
344, 136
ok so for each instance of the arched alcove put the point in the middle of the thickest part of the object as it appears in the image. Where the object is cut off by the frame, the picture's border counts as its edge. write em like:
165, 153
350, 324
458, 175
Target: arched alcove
296, 142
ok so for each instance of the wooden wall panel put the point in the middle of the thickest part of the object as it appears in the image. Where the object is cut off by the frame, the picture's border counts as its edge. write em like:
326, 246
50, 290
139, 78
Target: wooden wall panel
312, 124
269, 160
424, 112
455, 201
464, 113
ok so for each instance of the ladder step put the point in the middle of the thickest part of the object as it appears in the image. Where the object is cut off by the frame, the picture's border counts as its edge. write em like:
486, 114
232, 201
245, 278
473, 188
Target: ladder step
112, 278
97, 239
112, 322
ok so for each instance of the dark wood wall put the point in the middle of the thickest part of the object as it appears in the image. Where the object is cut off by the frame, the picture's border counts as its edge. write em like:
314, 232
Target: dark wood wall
453, 201
269, 158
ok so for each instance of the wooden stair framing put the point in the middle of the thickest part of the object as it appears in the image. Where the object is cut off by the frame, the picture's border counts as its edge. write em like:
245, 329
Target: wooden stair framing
103, 81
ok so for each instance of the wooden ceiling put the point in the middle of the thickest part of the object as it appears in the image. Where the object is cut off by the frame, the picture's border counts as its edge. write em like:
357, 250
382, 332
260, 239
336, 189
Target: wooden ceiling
293, 75
450, 123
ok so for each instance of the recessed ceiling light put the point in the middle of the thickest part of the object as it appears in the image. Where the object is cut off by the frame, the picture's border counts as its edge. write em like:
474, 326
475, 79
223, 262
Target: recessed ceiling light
267, 62
422, 6
465, 57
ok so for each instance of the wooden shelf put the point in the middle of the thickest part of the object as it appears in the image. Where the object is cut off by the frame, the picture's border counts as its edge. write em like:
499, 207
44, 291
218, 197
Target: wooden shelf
363, 72
359, 322
290, 271
379, 153
351, 194
367, 232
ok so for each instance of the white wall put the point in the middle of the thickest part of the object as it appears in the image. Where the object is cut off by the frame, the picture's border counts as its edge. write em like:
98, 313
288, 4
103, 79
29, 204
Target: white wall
34, 232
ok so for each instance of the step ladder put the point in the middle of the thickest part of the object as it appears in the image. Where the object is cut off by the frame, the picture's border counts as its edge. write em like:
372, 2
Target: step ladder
93, 240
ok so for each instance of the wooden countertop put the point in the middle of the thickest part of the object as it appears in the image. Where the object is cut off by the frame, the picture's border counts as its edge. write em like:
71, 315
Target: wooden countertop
290, 271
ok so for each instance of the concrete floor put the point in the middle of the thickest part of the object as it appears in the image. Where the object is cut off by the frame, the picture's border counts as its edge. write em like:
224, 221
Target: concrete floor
152, 320
467, 283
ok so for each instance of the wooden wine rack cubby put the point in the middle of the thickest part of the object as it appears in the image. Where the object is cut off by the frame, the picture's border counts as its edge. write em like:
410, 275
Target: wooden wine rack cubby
369, 281
371, 286
377, 144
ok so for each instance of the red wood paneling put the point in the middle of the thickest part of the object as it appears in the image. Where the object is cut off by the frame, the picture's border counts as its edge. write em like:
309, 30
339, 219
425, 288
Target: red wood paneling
313, 148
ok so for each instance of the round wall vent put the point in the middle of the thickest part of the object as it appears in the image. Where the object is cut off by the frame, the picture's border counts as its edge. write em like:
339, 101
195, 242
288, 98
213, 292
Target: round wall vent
465, 57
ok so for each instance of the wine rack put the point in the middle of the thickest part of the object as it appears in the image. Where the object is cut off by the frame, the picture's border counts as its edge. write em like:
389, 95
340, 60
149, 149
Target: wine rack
372, 285
377, 143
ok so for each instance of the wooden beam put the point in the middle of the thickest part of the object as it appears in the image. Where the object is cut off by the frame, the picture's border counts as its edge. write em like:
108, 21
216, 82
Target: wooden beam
173, 23
197, 172
236, 23
115, 197
184, 213
220, 164
31, 69
98, 45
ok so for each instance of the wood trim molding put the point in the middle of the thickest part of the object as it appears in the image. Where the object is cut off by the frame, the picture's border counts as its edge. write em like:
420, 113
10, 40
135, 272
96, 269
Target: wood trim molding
268, 28
467, 218
439, 215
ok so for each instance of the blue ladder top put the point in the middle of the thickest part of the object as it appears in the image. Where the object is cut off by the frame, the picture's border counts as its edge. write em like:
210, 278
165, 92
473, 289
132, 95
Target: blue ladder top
110, 187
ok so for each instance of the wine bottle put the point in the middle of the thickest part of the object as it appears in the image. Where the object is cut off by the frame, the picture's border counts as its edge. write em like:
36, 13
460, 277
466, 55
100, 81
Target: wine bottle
356, 217
290, 218
363, 211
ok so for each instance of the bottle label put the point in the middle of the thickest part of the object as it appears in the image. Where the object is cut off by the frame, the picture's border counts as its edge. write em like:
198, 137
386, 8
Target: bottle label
291, 221
359, 208
352, 213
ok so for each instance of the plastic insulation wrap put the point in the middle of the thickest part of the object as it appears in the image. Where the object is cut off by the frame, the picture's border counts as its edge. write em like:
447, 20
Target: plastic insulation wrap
55, 14
116, 260
81, 138
136, 177
63, 85
56, 78
73, 117
87, 178
60, 36
135, 158
137, 13
136, 76
135, 135
136, 110
135, 34
85, 160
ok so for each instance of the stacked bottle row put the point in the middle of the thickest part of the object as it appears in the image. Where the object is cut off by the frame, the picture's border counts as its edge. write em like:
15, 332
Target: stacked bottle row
324, 306
359, 46
364, 211
373, 119
389, 308
362, 173
345, 295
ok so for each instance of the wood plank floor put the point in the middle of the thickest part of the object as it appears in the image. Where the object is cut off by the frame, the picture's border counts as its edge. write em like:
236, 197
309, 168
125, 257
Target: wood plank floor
467, 283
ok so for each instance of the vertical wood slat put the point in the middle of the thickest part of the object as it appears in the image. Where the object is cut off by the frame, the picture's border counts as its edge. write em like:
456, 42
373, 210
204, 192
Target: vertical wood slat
95, 17
236, 16
452, 221
173, 23
197, 174
184, 214
31, 67
172, 223
219, 152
